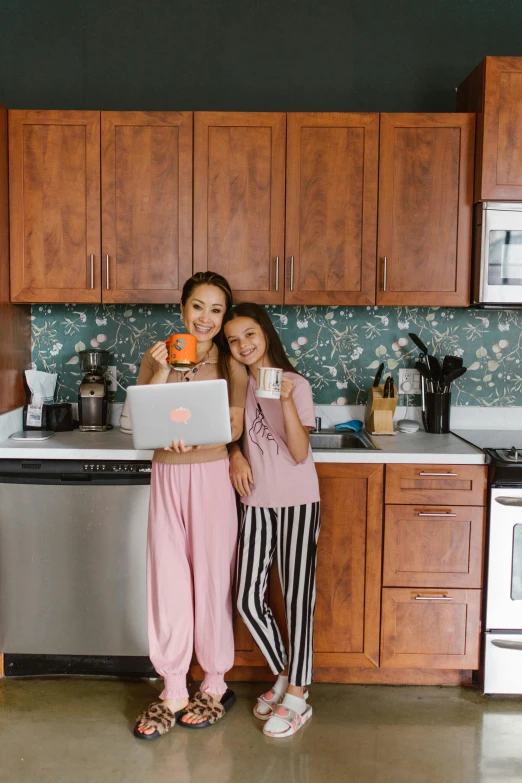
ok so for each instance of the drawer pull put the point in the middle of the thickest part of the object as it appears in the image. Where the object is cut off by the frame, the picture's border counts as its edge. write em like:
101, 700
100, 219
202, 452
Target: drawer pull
433, 514
444, 475
433, 598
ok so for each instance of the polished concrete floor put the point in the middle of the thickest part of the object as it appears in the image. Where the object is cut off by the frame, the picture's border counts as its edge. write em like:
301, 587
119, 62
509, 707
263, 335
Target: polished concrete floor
78, 730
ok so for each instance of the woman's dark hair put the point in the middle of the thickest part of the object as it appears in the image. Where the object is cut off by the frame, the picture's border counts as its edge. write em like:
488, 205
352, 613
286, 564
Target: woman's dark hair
274, 347
212, 278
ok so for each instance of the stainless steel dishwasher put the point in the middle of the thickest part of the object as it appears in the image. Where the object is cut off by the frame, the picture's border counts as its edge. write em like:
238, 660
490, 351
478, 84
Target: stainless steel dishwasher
72, 557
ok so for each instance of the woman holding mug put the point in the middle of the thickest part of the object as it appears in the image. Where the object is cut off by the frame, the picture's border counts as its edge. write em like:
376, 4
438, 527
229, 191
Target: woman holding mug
192, 531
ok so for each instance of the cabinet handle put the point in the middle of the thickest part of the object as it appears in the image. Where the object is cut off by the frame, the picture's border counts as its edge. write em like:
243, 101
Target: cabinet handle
432, 514
291, 273
277, 274
426, 473
92, 269
385, 274
433, 598
107, 273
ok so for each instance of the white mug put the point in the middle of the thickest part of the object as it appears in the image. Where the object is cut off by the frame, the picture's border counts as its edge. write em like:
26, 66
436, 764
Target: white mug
268, 382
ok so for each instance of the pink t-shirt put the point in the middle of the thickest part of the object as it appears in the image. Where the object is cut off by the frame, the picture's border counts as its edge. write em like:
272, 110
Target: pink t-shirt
278, 480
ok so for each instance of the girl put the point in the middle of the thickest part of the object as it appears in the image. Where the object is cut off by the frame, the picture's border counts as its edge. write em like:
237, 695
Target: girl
191, 537
279, 490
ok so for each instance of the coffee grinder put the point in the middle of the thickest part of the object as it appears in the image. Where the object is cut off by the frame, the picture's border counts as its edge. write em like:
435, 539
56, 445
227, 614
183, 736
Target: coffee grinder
93, 397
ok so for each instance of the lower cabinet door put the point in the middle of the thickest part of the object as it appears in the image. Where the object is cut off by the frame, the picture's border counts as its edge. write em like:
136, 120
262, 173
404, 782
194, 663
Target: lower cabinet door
430, 629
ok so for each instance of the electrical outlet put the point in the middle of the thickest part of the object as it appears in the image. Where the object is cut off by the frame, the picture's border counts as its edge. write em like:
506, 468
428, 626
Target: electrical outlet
411, 377
111, 376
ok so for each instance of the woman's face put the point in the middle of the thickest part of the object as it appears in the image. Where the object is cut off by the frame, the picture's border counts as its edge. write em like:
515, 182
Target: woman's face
246, 340
203, 312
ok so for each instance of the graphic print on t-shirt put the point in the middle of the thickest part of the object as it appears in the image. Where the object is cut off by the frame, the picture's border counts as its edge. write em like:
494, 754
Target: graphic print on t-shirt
259, 431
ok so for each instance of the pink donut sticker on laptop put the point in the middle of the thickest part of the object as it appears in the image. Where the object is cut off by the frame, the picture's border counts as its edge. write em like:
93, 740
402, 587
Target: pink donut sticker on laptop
180, 415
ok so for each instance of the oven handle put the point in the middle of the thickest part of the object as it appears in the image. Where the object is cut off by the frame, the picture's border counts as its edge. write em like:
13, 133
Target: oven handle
504, 500
507, 645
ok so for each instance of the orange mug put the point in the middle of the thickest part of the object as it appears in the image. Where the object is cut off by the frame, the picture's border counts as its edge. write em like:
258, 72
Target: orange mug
182, 351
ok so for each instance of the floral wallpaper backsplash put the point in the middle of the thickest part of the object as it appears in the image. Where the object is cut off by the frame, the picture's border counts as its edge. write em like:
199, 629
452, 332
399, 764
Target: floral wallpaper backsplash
337, 348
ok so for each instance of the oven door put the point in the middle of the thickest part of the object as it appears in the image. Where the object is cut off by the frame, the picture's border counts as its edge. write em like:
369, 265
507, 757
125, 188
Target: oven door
504, 587
498, 234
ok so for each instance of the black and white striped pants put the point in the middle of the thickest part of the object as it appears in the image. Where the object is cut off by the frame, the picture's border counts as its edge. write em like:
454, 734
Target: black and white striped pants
294, 531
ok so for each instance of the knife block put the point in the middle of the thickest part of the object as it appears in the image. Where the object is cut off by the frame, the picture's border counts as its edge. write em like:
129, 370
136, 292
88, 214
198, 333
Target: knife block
379, 411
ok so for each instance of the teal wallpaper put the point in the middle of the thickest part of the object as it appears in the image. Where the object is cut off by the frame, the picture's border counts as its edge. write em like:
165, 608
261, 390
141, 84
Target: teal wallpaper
337, 348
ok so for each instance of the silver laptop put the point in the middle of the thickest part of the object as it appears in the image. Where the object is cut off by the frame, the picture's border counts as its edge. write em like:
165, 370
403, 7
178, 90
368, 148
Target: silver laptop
196, 413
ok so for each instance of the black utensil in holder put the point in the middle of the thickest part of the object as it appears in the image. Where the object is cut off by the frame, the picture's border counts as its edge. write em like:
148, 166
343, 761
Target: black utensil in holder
438, 405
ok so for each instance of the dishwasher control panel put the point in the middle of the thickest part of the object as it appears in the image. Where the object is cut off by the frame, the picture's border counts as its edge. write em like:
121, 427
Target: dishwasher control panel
117, 467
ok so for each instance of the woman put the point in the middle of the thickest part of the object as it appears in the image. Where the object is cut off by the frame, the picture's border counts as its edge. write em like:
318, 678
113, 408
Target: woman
192, 532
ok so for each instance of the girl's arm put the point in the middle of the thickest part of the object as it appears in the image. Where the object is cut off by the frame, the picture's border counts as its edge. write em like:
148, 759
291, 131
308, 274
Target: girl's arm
240, 470
297, 435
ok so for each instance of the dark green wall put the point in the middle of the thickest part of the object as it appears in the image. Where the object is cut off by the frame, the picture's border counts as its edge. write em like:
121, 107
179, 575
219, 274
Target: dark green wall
343, 55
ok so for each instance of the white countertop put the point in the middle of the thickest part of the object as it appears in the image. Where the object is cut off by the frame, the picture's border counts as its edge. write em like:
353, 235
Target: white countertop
419, 448
492, 439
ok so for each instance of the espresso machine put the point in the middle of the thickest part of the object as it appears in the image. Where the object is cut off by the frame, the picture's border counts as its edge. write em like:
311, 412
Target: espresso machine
93, 397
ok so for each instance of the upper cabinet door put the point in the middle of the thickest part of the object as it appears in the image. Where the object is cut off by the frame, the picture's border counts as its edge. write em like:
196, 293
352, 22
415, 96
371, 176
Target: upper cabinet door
494, 91
146, 205
54, 198
331, 208
425, 209
239, 195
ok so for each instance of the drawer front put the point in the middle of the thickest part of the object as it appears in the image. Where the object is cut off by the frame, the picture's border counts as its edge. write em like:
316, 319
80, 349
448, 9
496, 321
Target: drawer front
433, 546
459, 485
430, 629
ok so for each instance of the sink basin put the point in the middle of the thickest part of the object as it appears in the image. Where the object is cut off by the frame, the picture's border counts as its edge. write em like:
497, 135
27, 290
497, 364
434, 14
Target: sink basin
333, 439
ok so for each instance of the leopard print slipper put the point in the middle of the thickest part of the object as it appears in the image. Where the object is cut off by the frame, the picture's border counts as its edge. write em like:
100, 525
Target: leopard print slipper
203, 705
159, 717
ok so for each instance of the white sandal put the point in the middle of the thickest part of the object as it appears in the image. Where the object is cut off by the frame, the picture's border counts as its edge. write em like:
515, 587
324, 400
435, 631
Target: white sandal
293, 720
270, 699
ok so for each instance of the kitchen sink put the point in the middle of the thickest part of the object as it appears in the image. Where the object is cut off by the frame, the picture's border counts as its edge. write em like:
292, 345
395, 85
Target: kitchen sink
333, 439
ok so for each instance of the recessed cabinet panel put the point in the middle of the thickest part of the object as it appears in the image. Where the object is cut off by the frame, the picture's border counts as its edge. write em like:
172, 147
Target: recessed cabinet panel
331, 208
54, 170
425, 203
146, 205
436, 484
239, 186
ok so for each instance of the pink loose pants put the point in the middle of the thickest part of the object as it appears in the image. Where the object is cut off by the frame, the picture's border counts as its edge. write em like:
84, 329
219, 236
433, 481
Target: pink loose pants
191, 551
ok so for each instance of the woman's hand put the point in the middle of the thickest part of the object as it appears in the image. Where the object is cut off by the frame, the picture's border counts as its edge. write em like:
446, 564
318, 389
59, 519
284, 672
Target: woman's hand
178, 446
159, 355
240, 473
287, 388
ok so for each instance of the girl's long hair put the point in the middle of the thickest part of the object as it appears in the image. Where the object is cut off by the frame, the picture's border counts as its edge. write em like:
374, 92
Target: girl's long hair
274, 347
212, 278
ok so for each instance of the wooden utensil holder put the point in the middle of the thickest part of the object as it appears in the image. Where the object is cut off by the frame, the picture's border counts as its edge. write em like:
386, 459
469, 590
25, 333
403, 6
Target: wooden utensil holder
379, 411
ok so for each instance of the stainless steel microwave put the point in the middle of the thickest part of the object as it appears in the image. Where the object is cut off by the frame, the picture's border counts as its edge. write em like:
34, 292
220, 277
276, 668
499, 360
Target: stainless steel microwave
497, 265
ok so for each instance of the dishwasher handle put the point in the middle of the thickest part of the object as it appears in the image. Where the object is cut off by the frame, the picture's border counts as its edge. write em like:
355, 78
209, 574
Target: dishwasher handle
84, 477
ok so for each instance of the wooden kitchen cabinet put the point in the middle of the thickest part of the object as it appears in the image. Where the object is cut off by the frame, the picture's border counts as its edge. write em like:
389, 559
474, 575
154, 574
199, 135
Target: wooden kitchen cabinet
54, 204
146, 205
425, 209
464, 485
331, 208
323, 252
239, 201
429, 546
131, 241
430, 629
494, 91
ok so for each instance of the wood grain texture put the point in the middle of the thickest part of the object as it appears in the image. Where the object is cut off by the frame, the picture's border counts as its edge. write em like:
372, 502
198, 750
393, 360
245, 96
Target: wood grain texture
349, 566
425, 209
502, 134
405, 485
239, 192
146, 205
54, 181
355, 675
331, 207
470, 98
424, 633
433, 551
15, 329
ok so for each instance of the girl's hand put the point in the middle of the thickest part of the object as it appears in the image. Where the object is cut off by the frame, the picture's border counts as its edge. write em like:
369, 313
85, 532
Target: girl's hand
179, 447
240, 473
159, 355
287, 388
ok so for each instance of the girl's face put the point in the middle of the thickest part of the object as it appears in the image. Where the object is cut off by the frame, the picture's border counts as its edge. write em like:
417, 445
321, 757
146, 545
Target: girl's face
247, 341
203, 312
